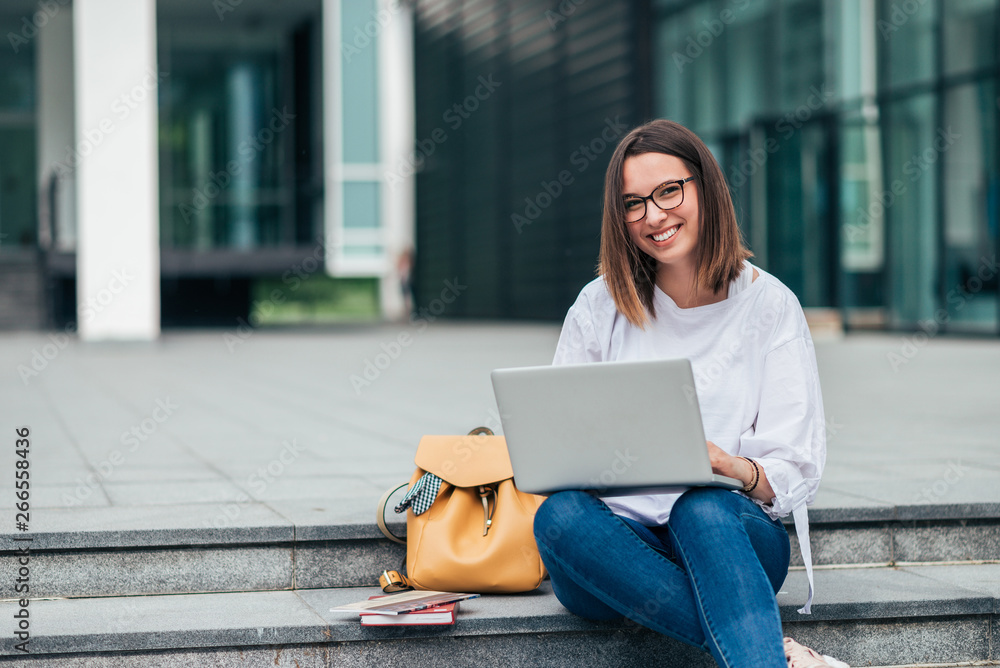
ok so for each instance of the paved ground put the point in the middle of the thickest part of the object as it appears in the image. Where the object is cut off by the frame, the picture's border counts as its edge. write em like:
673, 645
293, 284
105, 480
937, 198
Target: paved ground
284, 417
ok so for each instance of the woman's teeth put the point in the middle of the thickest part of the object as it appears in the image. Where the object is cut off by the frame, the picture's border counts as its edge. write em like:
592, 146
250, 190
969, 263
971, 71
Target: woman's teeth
666, 235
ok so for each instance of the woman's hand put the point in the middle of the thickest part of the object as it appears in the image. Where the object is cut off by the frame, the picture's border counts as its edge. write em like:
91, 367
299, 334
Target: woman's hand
730, 466
726, 464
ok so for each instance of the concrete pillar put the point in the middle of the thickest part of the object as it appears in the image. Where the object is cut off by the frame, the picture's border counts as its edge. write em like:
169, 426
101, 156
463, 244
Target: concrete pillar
397, 129
116, 76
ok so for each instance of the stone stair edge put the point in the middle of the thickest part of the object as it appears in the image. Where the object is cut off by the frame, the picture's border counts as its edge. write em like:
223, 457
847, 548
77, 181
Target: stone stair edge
302, 616
259, 523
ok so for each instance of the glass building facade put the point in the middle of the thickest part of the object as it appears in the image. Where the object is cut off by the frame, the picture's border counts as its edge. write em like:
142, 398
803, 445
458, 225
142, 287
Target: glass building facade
859, 138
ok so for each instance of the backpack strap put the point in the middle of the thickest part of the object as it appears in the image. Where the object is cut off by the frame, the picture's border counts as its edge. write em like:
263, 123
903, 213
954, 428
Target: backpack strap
393, 581
380, 514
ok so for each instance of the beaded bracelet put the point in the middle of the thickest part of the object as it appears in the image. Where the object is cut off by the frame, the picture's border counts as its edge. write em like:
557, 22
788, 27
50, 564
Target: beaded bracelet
756, 476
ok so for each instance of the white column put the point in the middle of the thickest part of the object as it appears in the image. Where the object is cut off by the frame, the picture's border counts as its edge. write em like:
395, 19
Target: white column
397, 127
333, 190
118, 268
54, 74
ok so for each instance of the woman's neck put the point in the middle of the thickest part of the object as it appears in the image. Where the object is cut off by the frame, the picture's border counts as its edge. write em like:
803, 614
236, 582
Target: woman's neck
679, 284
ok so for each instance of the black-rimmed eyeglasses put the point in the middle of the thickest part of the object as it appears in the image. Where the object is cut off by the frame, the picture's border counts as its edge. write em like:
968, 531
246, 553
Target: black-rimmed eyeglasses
669, 195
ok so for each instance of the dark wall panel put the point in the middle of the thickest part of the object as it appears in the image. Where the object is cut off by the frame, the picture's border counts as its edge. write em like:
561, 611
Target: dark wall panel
562, 85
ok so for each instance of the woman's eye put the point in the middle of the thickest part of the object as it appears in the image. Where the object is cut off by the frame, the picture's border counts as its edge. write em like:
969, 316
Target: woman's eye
633, 203
668, 190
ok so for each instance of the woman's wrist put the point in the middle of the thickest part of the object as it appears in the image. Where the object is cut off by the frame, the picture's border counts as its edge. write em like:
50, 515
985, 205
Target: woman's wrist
753, 475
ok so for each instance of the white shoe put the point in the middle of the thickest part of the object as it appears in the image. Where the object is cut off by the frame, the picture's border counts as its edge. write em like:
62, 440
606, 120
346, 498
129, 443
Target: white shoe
803, 657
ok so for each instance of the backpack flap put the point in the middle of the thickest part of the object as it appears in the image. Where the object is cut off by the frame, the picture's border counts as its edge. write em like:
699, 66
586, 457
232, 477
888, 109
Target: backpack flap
465, 461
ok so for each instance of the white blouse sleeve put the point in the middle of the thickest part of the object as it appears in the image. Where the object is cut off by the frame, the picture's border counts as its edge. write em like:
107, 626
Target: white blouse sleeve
578, 342
788, 438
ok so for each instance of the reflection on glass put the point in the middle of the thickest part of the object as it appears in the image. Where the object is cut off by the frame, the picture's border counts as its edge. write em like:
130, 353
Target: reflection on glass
862, 198
361, 205
798, 210
18, 179
750, 81
970, 189
225, 181
693, 58
18, 208
969, 34
244, 119
909, 198
906, 39
801, 51
358, 70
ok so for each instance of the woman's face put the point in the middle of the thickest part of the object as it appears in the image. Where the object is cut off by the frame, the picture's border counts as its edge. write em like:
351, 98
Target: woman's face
670, 237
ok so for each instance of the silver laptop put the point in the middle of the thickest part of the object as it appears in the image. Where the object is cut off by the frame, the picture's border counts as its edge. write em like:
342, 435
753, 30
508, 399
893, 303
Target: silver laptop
615, 427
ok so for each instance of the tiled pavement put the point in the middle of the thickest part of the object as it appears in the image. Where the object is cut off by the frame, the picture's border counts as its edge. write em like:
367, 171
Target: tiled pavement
199, 420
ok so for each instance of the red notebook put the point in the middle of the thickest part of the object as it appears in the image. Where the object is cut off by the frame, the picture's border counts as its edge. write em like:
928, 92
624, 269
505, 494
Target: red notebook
439, 614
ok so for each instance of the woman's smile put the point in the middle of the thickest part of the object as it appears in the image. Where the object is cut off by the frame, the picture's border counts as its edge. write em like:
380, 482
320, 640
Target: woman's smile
663, 237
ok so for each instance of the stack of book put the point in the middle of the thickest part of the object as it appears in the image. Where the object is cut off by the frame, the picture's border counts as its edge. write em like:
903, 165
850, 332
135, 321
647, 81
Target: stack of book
412, 608
438, 615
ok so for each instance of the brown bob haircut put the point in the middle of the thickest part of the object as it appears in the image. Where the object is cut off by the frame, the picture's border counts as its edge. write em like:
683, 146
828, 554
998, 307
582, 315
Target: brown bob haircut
631, 274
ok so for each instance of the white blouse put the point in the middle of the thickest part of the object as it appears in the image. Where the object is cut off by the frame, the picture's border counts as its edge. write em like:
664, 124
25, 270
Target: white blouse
755, 373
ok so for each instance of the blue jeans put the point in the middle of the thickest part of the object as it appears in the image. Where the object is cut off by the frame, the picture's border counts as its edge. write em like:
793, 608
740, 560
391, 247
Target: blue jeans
708, 578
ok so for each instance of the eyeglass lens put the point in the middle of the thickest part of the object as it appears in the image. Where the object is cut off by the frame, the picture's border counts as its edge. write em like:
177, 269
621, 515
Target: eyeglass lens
667, 196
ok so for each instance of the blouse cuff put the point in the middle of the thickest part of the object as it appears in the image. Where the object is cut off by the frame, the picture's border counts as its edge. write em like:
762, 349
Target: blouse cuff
788, 484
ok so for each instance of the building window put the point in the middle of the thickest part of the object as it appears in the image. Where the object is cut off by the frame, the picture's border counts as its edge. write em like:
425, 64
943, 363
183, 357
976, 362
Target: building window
18, 178
235, 143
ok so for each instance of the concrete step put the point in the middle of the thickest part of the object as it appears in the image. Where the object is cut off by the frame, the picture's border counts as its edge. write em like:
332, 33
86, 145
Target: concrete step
878, 616
902, 534
173, 549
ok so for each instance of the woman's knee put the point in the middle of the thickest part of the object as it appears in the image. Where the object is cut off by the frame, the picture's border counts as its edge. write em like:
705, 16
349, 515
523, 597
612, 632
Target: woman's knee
704, 505
560, 514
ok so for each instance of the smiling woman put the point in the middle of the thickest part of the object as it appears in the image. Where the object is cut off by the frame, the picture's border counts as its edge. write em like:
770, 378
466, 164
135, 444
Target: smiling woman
675, 282
695, 263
